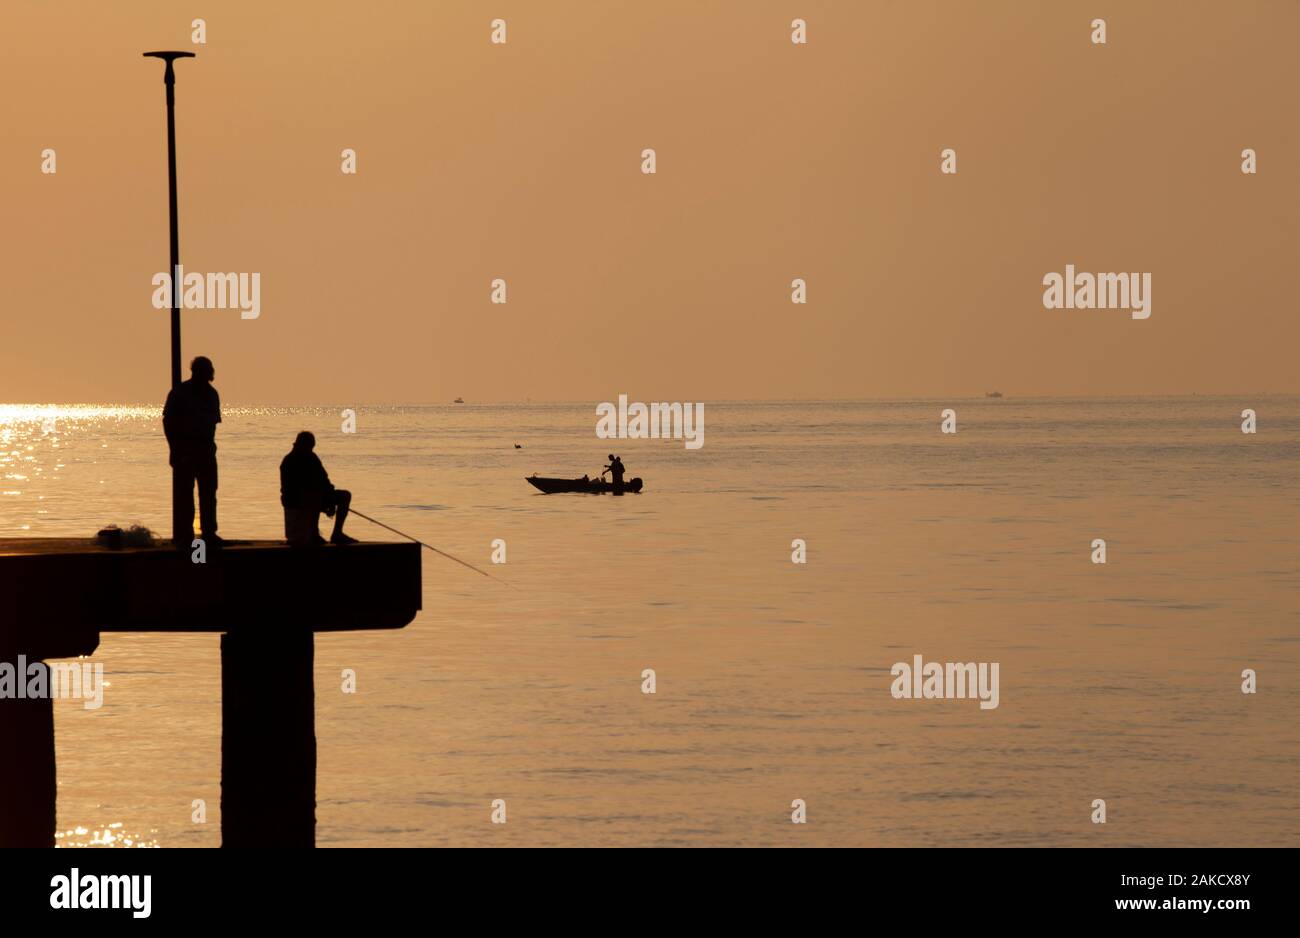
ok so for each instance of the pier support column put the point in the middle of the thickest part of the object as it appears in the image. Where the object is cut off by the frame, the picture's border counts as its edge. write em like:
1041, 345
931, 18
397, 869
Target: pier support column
268, 738
27, 773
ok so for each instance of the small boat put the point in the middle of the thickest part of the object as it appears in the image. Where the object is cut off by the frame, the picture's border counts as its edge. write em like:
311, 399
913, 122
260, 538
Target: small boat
584, 485
993, 394
459, 400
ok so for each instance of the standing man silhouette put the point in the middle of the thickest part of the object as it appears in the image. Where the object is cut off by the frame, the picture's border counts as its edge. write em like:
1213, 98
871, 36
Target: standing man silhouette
616, 467
190, 419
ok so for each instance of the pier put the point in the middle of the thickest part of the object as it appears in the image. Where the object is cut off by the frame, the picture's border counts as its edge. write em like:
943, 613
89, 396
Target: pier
264, 598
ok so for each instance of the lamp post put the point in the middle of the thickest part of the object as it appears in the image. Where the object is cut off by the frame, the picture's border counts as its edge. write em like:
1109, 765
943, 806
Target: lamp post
182, 528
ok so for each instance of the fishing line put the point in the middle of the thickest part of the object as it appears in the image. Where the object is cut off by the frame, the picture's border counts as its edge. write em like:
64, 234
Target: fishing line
430, 546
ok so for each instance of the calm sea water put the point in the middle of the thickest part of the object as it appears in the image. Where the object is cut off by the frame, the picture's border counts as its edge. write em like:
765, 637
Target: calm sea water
1119, 682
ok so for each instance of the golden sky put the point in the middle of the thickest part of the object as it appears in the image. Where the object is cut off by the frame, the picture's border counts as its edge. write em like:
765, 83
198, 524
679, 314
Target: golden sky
775, 161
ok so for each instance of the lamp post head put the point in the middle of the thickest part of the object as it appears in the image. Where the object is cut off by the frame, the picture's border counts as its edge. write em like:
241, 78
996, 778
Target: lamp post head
169, 77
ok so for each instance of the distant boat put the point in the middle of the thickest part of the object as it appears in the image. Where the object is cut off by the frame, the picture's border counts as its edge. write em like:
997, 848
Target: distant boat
459, 400
585, 485
993, 394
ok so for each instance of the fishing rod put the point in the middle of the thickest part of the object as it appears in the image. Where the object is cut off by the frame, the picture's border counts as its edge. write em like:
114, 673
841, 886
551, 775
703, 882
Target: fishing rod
430, 546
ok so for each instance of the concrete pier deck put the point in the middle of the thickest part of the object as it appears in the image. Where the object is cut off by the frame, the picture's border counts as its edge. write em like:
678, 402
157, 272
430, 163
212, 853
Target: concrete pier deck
54, 589
266, 598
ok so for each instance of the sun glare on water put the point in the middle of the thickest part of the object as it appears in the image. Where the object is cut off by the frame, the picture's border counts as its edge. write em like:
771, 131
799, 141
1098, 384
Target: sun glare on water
111, 835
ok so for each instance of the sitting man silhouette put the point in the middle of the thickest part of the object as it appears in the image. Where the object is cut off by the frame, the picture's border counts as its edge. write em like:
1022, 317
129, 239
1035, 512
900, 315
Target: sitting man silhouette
305, 491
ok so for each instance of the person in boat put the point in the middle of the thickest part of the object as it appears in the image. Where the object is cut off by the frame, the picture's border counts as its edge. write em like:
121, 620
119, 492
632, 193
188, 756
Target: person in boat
190, 418
306, 491
616, 470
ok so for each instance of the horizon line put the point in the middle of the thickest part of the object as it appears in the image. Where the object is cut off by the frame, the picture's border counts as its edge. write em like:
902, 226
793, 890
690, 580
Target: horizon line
760, 400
